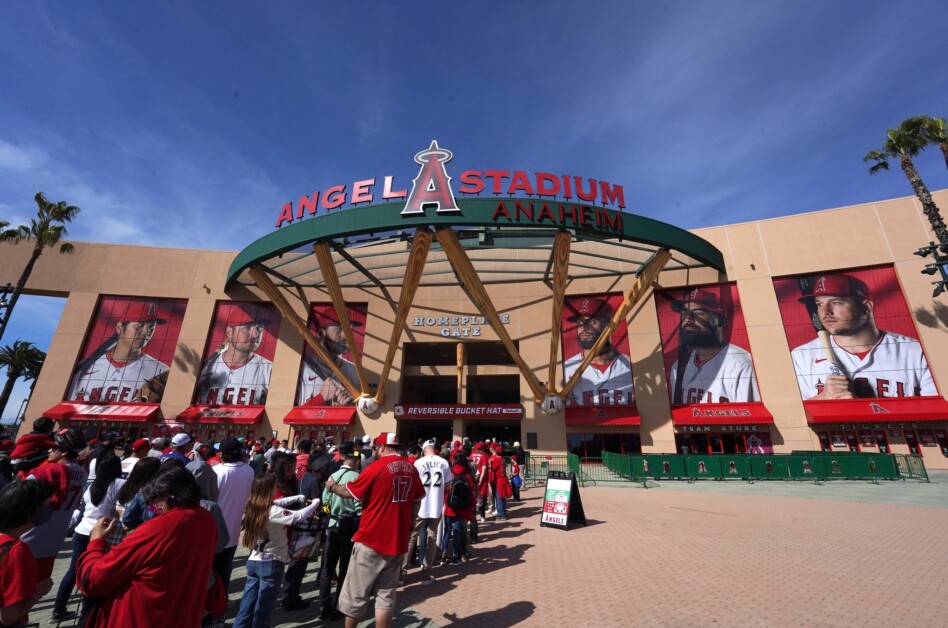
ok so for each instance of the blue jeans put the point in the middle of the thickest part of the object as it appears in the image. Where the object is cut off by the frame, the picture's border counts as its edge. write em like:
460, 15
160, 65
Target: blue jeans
501, 505
264, 578
79, 544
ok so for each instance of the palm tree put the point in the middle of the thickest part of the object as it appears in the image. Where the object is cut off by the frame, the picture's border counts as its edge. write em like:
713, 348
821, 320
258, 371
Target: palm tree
905, 142
21, 359
46, 230
936, 132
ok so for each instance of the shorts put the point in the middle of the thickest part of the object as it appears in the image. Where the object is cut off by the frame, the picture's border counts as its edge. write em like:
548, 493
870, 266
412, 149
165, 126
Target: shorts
369, 572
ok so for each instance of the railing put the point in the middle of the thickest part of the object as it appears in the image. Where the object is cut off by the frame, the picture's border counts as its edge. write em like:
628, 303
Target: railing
814, 466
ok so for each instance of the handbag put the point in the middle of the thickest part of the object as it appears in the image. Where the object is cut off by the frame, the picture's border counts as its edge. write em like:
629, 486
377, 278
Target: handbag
305, 537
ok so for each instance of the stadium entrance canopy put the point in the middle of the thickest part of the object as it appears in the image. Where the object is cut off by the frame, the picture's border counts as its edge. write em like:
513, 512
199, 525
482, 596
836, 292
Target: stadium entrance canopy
474, 243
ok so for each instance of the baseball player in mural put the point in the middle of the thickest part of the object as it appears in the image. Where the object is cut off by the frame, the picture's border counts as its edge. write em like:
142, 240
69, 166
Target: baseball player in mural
851, 357
608, 380
119, 369
235, 374
318, 385
708, 369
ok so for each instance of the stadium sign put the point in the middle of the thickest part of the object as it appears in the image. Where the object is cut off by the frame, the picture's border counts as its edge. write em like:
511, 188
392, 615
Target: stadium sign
432, 189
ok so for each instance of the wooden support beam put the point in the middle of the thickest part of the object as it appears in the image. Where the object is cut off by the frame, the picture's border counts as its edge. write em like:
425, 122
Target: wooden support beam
260, 277
475, 289
642, 283
328, 270
560, 259
460, 358
420, 245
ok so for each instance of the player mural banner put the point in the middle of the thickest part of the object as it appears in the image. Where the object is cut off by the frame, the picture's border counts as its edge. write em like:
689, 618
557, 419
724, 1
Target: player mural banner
318, 386
705, 347
608, 380
852, 336
239, 355
127, 351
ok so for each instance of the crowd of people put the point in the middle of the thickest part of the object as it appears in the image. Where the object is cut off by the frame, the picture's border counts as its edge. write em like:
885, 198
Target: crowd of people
161, 520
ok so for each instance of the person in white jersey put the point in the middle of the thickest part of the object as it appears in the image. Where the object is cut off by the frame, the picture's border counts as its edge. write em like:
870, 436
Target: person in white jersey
318, 385
708, 369
608, 379
873, 362
119, 370
235, 375
435, 474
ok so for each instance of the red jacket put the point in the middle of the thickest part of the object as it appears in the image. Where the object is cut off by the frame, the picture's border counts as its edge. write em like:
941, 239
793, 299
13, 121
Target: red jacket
498, 476
157, 576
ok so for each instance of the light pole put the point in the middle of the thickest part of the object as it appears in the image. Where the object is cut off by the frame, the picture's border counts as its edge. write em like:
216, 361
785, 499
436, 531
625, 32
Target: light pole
940, 266
19, 418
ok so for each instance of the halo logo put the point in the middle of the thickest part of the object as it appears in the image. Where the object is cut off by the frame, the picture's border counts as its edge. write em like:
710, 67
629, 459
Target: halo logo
432, 186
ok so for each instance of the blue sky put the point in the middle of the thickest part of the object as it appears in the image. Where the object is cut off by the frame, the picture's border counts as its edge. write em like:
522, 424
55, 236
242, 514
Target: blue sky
188, 124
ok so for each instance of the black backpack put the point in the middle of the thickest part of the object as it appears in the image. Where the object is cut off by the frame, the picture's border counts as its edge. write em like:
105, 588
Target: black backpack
460, 496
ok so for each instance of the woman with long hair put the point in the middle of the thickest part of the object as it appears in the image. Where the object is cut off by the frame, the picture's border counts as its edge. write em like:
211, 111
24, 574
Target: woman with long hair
160, 574
99, 499
265, 522
284, 470
130, 499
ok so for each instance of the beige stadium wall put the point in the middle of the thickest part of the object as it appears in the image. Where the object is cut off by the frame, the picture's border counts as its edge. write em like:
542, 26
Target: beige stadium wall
887, 232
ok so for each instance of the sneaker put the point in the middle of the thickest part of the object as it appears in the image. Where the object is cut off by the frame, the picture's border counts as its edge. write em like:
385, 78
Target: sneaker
59, 616
482, 519
501, 519
427, 580
402, 577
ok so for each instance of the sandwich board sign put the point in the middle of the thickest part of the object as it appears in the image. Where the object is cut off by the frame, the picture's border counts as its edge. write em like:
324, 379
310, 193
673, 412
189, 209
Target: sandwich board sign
561, 502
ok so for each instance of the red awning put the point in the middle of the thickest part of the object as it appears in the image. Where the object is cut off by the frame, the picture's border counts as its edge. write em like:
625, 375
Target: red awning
113, 412
222, 415
605, 416
882, 409
722, 414
459, 411
321, 415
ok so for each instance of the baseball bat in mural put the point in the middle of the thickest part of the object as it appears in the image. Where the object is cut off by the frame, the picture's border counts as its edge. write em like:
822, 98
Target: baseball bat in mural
806, 287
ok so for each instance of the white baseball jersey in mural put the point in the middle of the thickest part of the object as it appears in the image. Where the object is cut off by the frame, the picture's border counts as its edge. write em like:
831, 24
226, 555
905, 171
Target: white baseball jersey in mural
609, 386
726, 377
242, 386
107, 380
894, 367
311, 382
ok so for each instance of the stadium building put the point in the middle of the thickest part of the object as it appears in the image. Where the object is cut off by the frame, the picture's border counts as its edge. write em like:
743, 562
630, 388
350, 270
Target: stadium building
528, 308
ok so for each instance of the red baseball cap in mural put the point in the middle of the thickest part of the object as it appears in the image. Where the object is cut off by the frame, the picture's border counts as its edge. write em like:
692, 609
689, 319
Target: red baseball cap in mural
837, 286
326, 317
142, 312
234, 314
704, 299
389, 439
589, 307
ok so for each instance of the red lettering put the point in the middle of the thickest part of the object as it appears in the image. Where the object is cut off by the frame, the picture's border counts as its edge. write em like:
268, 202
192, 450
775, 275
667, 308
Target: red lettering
567, 190
501, 209
547, 184
361, 191
286, 214
228, 397
497, 176
582, 194
584, 218
520, 183
212, 396
307, 204
387, 192
882, 387
546, 212
334, 197
612, 220
614, 194
471, 182
432, 186
523, 210
571, 213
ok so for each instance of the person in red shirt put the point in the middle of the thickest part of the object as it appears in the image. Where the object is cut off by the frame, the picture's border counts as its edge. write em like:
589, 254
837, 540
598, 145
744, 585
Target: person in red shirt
159, 575
479, 460
500, 485
515, 480
21, 507
457, 518
391, 491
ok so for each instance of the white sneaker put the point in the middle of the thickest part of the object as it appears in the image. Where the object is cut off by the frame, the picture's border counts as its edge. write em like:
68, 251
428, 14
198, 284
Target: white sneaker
427, 580
482, 519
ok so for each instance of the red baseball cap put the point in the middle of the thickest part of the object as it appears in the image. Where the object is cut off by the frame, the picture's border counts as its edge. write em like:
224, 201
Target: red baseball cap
234, 314
326, 317
141, 312
837, 286
389, 439
141, 443
705, 299
589, 307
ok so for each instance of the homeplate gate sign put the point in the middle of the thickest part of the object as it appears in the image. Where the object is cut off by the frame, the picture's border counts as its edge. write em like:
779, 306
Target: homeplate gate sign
548, 216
